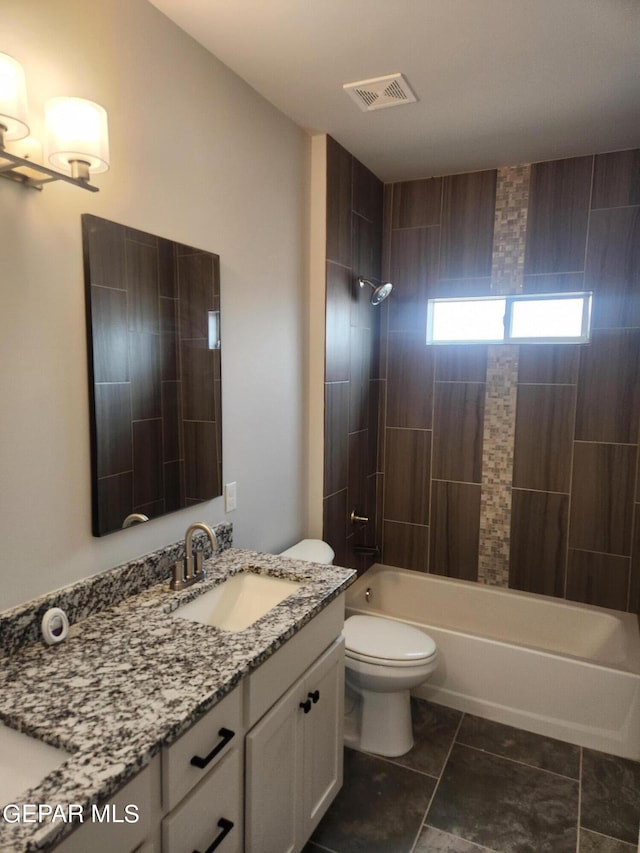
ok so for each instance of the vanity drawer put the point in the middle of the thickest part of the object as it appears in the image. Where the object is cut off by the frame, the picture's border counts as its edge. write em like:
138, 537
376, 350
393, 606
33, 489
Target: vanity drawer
213, 810
210, 739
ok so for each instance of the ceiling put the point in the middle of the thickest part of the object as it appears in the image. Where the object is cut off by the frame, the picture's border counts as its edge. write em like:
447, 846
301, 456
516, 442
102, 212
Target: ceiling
499, 82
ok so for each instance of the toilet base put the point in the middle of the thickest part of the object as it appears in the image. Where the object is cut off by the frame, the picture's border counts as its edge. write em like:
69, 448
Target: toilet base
380, 723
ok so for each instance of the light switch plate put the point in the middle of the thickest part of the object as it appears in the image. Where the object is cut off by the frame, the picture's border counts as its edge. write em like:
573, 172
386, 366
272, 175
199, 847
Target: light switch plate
230, 497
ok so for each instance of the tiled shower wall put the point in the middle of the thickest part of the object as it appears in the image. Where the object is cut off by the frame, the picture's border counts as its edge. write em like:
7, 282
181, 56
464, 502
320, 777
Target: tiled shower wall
354, 239
572, 528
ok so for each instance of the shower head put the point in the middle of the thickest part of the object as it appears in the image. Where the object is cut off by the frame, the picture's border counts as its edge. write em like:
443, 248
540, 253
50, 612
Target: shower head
380, 293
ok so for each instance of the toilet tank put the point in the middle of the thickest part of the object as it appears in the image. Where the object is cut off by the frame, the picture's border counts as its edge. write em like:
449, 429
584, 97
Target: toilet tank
311, 550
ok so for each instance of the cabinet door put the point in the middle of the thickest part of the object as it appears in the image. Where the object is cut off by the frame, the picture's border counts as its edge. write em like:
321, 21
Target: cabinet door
323, 750
273, 778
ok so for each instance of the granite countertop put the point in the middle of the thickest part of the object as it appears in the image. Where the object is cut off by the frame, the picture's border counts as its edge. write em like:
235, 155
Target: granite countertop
131, 679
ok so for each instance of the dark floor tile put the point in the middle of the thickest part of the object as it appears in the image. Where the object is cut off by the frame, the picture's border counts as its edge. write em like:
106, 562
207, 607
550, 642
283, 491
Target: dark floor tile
434, 728
538, 751
591, 842
610, 795
379, 809
435, 841
504, 805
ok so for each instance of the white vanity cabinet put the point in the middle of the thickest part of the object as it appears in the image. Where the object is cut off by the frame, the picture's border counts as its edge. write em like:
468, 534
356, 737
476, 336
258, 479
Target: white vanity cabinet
294, 759
294, 751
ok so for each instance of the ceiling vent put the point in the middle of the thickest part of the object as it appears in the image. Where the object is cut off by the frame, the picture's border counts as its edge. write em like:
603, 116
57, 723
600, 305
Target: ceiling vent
380, 92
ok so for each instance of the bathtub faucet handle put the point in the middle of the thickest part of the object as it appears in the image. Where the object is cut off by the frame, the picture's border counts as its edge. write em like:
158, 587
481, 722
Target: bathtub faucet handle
358, 519
367, 593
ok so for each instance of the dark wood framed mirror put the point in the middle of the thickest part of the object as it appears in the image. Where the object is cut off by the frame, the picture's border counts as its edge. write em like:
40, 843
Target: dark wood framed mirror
153, 334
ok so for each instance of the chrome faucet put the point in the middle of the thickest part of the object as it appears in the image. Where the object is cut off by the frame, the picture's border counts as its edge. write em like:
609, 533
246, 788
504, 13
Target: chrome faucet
183, 571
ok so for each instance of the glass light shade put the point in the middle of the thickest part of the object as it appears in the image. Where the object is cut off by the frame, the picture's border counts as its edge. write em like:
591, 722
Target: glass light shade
13, 98
76, 129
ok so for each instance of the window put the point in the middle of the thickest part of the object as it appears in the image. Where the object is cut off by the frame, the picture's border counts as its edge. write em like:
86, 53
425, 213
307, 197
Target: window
540, 318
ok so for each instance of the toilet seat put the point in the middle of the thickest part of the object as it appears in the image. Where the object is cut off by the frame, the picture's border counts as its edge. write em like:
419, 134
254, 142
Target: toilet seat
385, 642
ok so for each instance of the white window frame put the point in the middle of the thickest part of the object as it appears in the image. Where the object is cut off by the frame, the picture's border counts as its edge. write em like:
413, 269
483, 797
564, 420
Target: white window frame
509, 299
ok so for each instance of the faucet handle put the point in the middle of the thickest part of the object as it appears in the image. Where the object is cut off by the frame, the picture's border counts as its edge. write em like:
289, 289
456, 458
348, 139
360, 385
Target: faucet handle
200, 572
177, 577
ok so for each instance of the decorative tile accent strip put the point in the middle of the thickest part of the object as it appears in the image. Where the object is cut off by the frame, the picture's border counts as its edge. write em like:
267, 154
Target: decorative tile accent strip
512, 198
497, 464
21, 625
510, 228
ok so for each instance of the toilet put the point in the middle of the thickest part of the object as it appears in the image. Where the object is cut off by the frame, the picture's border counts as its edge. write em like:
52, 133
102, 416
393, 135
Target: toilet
384, 660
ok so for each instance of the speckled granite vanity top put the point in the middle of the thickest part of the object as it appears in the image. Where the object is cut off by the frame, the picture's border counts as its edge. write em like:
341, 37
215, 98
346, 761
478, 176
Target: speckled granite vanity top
131, 678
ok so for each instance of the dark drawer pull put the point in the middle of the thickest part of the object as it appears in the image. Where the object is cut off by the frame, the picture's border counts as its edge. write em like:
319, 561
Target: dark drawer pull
314, 696
226, 735
226, 826
306, 706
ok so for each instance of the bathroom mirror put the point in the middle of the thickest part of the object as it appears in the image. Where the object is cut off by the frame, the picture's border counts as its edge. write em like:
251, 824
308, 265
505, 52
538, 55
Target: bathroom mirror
153, 333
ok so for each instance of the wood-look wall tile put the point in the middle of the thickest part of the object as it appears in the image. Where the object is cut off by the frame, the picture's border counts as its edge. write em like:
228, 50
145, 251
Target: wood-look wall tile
142, 237
559, 196
472, 286
567, 282
616, 179
598, 579
409, 381
387, 204
454, 530
171, 421
115, 502
145, 375
367, 193
358, 474
613, 267
602, 494
201, 463
339, 180
609, 387
407, 472
464, 363
548, 363
147, 461
198, 375
634, 581
168, 340
340, 287
104, 259
374, 425
113, 438
458, 428
334, 525
110, 336
417, 204
414, 271
543, 444
196, 274
406, 546
173, 486
167, 285
142, 288
468, 213
367, 259
359, 382
538, 546
336, 436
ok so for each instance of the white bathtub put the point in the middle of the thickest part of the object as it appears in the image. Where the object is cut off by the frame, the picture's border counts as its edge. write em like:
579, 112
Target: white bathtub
558, 668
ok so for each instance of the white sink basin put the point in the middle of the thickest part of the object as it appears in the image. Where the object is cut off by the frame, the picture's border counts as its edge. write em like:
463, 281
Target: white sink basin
238, 602
24, 762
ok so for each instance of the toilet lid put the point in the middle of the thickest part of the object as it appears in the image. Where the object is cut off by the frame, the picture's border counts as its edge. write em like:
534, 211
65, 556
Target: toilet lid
386, 639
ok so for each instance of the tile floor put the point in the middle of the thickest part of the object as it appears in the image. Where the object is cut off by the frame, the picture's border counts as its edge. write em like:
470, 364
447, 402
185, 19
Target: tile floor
473, 786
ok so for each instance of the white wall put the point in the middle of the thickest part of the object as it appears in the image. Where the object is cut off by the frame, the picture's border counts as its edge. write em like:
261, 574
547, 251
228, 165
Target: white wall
199, 157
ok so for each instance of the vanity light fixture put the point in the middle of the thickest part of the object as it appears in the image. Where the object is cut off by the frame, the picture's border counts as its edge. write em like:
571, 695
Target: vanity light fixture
77, 141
